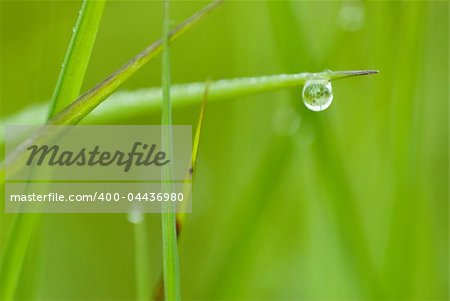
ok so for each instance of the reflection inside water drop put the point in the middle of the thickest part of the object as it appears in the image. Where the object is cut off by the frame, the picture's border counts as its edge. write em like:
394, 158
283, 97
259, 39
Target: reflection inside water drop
317, 94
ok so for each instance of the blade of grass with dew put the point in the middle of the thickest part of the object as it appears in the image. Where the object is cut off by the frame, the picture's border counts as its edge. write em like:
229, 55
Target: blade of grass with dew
77, 56
171, 271
127, 104
67, 88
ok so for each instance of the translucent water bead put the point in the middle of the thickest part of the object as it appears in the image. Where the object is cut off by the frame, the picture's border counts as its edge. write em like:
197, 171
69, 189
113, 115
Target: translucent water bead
317, 94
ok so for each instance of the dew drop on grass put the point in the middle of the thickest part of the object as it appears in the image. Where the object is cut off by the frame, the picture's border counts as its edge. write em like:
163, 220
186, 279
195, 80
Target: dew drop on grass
317, 94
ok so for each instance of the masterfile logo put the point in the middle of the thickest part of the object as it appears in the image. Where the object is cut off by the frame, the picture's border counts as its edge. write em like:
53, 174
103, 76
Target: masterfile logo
97, 153
101, 169
140, 154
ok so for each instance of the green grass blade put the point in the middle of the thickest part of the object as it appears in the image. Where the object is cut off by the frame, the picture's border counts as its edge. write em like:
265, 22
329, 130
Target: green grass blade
77, 56
171, 273
125, 104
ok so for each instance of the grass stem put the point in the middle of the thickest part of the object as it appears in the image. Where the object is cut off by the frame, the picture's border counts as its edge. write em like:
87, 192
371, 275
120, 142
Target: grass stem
168, 217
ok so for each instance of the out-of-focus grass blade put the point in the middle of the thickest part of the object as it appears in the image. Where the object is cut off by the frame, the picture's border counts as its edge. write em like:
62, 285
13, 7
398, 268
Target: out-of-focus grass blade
77, 55
401, 260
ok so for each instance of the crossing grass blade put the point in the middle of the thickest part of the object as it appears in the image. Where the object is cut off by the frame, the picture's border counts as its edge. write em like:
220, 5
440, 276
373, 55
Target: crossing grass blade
77, 56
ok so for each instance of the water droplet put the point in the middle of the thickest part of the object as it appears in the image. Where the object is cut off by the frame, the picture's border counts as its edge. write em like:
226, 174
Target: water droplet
317, 94
73, 29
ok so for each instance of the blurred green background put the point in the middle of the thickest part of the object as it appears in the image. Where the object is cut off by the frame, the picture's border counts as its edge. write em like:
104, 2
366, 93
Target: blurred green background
289, 204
